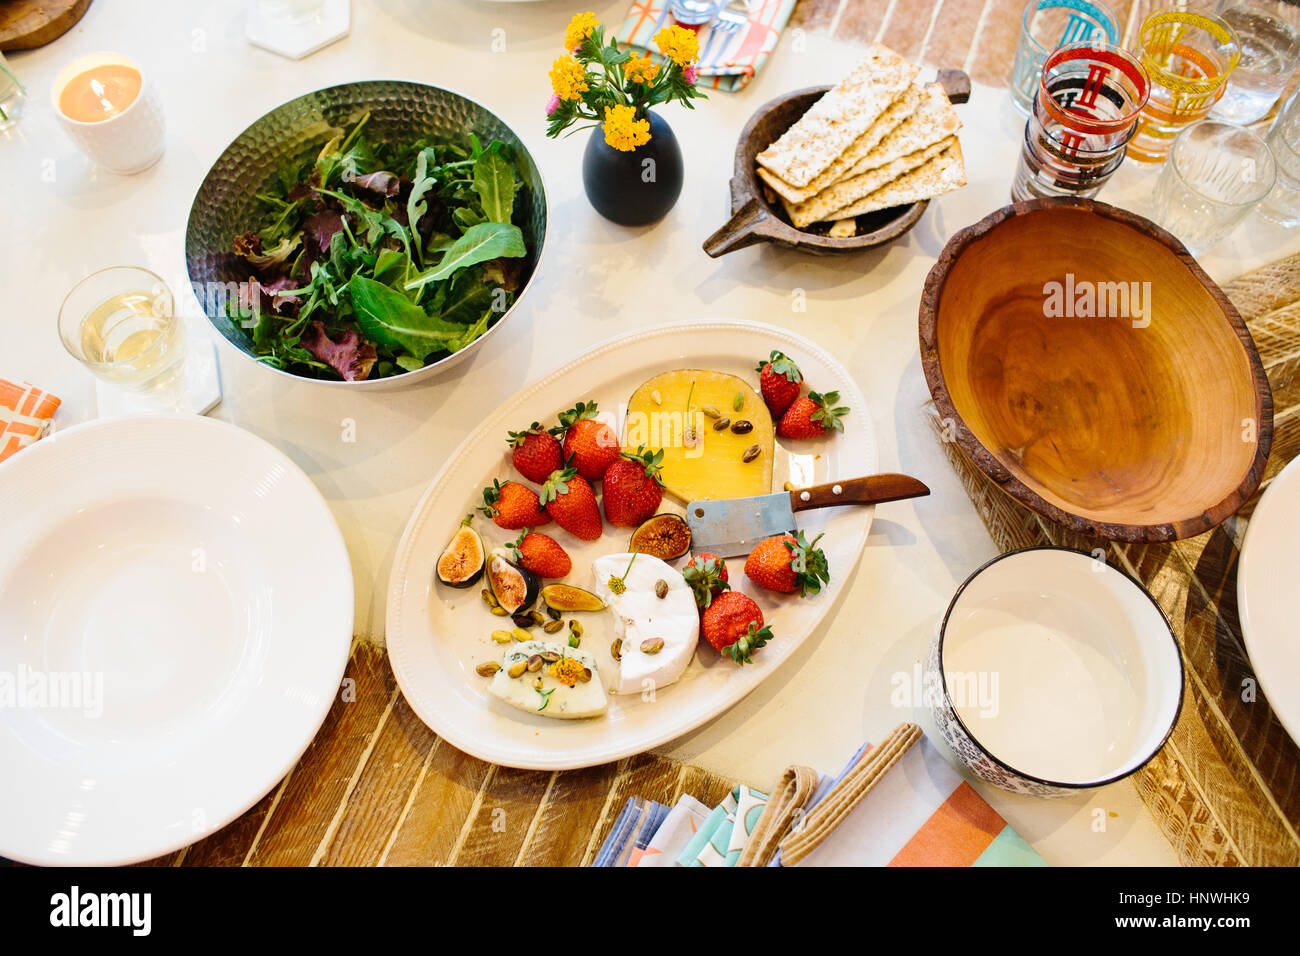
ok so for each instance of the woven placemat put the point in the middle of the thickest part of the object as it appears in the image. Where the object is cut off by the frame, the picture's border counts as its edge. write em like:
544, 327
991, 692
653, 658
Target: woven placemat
1225, 789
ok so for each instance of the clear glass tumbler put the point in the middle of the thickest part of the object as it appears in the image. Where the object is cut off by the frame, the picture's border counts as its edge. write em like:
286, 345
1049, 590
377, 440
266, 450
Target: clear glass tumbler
694, 12
1217, 173
1189, 57
1047, 24
121, 324
1282, 205
12, 95
1086, 109
1269, 34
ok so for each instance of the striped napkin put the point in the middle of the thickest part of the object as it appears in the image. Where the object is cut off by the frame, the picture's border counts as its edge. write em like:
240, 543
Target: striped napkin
729, 57
902, 804
25, 413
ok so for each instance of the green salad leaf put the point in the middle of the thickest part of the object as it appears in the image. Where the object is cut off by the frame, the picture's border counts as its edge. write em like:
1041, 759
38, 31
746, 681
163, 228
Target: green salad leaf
488, 240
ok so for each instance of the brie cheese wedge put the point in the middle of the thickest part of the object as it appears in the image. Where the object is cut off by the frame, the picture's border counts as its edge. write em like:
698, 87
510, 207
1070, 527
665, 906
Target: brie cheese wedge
556, 689
641, 617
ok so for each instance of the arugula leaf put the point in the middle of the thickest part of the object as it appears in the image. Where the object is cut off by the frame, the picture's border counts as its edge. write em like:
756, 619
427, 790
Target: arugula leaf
389, 317
416, 204
488, 240
392, 267
495, 183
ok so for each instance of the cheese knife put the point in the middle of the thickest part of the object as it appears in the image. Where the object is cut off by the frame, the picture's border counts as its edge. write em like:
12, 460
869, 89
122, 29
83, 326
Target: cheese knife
732, 526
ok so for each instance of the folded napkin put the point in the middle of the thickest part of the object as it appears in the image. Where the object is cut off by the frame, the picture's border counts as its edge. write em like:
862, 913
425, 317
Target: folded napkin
25, 413
682, 823
722, 837
631, 833
902, 804
789, 800
729, 57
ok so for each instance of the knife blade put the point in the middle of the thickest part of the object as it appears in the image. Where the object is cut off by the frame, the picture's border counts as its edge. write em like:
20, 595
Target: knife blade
732, 526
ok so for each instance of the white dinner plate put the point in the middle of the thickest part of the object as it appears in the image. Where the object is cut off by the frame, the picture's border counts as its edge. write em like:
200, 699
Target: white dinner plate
182, 593
1266, 581
437, 636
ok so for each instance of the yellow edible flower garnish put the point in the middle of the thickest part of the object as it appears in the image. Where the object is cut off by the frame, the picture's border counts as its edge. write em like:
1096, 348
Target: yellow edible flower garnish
679, 44
623, 130
568, 78
641, 69
567, 670
580, 27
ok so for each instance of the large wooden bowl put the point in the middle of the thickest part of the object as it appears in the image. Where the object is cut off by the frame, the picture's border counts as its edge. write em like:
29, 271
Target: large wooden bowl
1105, 424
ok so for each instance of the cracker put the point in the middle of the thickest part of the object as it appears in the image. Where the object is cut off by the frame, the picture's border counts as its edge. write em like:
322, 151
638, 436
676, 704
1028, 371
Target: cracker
940, 175
824, 205
933, 121
898, 111
846, 112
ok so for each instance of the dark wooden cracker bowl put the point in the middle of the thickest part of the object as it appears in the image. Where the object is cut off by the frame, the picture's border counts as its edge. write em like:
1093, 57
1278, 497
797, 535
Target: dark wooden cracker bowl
754, 219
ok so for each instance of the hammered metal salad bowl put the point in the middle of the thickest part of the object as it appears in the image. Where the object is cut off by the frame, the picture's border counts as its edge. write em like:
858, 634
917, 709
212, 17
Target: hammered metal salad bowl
227, 205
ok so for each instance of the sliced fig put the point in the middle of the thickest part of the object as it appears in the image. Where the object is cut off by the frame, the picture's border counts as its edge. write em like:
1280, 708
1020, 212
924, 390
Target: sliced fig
565, 597
515, 588
663, 536
461, 563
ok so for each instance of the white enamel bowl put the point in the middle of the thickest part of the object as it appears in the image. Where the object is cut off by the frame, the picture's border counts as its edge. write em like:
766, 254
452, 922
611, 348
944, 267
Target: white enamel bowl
181, 592
1054, 672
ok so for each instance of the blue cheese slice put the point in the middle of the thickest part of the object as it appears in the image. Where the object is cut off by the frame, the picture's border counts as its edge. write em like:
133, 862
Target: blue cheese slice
642, 617
545, 691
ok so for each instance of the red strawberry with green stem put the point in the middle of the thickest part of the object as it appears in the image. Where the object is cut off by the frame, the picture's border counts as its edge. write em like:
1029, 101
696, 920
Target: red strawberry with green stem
733, 624
706, 573
633, 489
812, 416
590, 446
541, 554
513, 506
778, 380
535, 452
568, 499
788, 563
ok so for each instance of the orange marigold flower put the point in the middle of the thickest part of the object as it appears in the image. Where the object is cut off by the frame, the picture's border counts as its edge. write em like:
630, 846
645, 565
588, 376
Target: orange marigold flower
580, 27
641, 69
623, 130
679, 44
568, 78
567, 670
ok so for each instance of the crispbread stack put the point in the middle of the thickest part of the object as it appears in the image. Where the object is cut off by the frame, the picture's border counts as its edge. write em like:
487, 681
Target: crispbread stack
878, 139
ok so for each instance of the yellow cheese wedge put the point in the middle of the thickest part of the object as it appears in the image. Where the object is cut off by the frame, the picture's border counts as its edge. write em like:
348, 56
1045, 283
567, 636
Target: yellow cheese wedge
667, 412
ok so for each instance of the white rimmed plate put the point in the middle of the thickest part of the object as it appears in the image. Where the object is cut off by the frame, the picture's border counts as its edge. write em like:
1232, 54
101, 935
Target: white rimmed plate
1266, 581
183, 593
437, 636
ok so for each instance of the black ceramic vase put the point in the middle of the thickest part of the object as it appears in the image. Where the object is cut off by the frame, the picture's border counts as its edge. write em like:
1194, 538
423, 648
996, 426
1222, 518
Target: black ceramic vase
634, 188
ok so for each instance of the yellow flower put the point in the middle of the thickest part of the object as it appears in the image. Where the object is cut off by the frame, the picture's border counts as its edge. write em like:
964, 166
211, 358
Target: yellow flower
678, 44
623, 130
580, 27
568, 78
567, 670
641, 69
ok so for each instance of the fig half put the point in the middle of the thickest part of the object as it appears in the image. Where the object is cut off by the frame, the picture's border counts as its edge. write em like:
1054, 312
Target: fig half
663, 536
515, 588
461, 563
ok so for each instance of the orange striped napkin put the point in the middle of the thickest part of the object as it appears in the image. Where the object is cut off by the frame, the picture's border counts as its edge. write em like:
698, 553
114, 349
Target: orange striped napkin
25, 413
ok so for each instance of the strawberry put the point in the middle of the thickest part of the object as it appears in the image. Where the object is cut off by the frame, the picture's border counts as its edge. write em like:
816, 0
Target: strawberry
513, 506
633, 489
590, 446
706, 574
535, 452
812, 416
778, 380
788, 563
571, 502
541, 554
733, 624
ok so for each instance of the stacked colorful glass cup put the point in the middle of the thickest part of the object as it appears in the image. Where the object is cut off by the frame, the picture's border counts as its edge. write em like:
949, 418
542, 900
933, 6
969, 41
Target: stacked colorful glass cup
1085, 112
1188, 57
1047, 24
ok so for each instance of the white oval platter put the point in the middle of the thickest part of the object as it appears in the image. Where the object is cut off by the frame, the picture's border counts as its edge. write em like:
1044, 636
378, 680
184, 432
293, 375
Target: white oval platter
437, 636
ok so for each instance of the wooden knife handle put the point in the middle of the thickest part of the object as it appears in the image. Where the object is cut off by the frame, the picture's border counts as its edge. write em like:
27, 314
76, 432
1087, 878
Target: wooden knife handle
857, 491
